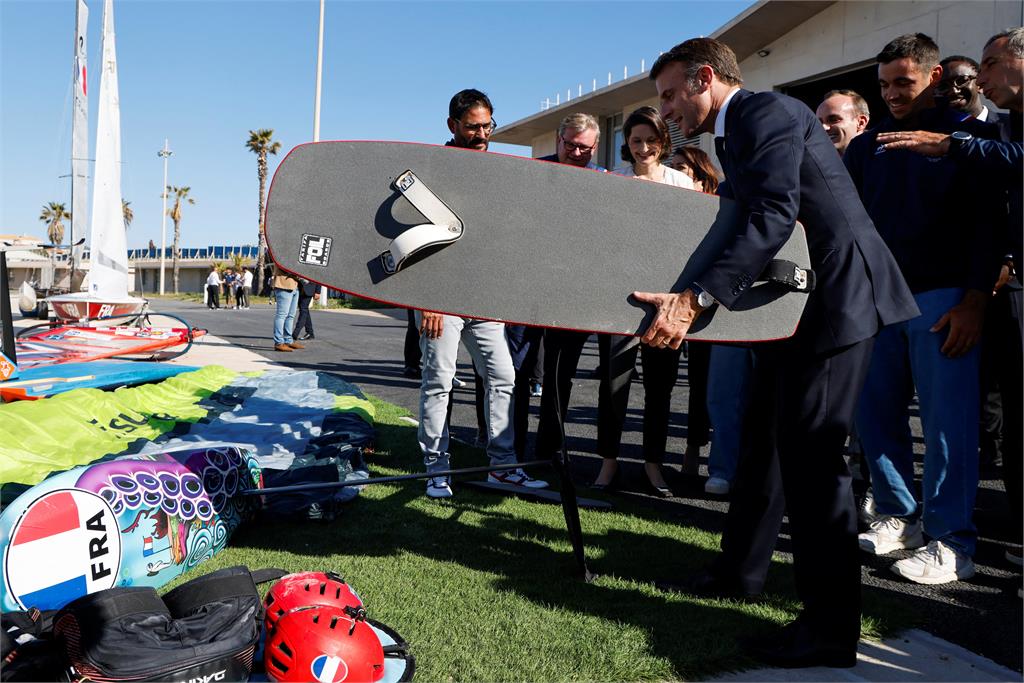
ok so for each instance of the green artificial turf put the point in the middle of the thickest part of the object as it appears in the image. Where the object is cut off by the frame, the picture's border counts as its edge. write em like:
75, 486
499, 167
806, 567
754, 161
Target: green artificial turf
482, 585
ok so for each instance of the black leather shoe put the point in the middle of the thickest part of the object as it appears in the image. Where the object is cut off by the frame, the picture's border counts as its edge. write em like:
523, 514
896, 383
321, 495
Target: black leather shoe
413, 373
704, 584
795, 646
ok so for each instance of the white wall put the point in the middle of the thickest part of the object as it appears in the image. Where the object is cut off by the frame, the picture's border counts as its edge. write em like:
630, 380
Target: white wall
852, 33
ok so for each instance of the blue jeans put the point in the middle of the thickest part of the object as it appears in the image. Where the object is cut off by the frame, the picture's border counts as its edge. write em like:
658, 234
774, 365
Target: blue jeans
728, 394
907, 355
488, 348
284, 319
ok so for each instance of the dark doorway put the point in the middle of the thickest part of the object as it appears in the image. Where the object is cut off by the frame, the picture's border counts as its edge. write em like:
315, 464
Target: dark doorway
862, 80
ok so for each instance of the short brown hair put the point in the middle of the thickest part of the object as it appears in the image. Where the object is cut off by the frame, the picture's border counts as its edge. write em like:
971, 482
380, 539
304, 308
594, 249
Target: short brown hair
860, 105
703, 168
698, 52
646, 116
579, 122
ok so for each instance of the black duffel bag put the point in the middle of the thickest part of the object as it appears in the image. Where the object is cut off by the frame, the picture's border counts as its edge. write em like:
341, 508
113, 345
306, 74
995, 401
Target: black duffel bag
203, 631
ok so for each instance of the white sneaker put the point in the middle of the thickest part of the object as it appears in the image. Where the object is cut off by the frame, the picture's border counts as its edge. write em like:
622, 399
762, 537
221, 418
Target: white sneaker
716, 486
935, 563
457, 383
1013, 556
516, 478
866, 511
887, 534
439, 487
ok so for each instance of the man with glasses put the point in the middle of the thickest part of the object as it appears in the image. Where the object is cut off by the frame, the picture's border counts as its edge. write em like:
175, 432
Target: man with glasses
575, 143
471, 123
958, 87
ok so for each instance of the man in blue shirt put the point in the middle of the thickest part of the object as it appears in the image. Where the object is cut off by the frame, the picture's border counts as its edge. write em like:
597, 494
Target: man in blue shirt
937, 219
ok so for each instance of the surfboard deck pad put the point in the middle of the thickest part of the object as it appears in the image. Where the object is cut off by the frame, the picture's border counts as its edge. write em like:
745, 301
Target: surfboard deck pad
531, 242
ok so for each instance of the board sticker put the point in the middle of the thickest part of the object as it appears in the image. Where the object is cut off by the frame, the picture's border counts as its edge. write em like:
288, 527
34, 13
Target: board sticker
315, 250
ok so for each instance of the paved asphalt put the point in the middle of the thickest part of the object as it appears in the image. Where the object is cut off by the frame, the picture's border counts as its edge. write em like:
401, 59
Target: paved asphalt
983, 615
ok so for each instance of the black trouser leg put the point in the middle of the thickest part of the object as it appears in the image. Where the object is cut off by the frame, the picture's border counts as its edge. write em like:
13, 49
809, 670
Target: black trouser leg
618, 361
1011, 360
212, 296
561, 358
412, 354
698, 424
661, 371
802, 407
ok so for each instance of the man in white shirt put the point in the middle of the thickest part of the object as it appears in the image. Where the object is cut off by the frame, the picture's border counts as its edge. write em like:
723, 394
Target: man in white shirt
246, 288
213, 283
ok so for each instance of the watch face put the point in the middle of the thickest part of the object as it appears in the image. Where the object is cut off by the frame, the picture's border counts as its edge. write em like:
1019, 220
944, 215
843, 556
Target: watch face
961, 136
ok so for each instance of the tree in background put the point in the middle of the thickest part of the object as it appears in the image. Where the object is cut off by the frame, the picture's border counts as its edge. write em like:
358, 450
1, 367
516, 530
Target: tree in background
53, 215
180, 195
261, 144
127, 213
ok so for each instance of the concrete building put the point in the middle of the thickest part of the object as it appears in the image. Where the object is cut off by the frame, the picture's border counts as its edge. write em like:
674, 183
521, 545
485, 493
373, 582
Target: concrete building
193, 266
801, 48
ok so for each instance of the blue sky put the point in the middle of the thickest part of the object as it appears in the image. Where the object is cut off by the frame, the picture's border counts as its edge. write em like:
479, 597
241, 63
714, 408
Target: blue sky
203, 73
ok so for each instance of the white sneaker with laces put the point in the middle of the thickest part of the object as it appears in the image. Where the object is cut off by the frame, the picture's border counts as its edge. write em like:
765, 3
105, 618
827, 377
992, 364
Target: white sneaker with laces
439, 487
887, 534
716, 486
516, 478
934, 564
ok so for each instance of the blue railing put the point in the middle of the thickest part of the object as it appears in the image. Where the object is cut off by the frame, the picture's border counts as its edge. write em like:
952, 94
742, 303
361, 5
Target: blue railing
211, 253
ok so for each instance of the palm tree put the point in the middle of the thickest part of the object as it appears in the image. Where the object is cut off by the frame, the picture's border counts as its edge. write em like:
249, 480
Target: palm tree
127, 213
238, 261
261, 144
180, 194
52, 214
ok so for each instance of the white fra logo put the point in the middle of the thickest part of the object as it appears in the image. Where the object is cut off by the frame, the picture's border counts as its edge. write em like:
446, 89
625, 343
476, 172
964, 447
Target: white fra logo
315, 250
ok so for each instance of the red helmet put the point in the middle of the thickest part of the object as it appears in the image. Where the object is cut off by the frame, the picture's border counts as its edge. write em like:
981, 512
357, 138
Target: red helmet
325, 644
307, 589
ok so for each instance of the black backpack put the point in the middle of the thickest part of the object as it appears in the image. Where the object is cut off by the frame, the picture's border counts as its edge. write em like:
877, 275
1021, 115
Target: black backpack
203, 631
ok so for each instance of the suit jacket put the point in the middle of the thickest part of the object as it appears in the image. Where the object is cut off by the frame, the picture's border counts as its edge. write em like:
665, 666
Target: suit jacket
782, 168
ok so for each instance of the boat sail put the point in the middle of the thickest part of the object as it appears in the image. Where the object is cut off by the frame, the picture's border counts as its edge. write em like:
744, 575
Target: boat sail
79, 138
108, 271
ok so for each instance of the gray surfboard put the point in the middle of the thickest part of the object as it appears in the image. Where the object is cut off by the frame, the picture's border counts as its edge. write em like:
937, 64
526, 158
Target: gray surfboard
508, 238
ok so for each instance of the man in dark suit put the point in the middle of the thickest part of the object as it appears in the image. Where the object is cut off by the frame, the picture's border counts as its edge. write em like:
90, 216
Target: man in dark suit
781, 168
303, 321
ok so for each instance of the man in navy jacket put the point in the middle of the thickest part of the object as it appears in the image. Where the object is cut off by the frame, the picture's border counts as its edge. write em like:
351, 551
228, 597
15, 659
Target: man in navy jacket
781, 167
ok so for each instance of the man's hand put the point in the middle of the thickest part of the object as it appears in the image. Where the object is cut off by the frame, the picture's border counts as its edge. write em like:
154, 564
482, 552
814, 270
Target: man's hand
920, 141
1004, 277
432, 324
672, 320
964, 320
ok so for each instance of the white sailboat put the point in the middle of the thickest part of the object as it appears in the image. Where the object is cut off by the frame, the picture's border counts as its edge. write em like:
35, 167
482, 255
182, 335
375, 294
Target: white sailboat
107, 294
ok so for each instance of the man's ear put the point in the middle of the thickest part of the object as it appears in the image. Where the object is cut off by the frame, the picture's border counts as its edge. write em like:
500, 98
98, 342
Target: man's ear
452, 124
936, 75
862, 123
704, 76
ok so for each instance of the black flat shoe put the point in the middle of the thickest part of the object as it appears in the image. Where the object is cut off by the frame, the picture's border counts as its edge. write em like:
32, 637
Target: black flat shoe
611, 486
795, 646
660, 491
704, 584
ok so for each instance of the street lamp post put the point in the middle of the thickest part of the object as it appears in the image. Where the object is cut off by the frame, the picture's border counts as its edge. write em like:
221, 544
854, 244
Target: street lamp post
316, 105
165, 153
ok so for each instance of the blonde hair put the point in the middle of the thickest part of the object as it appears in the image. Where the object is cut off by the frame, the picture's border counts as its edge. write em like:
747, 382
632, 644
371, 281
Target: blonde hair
579, 122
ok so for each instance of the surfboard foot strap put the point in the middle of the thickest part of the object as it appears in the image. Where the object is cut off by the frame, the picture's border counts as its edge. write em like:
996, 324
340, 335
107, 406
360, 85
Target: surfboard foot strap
789, 275
444, 226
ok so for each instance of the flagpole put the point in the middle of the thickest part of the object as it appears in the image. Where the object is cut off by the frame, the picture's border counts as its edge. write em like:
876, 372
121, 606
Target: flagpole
316, 106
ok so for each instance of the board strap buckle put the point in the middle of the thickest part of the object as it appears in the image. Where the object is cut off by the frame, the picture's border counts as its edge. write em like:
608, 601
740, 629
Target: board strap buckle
444, 226
790, 275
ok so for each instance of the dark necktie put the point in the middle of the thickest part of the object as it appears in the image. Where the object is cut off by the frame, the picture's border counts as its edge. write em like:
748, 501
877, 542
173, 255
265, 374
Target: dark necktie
720, 149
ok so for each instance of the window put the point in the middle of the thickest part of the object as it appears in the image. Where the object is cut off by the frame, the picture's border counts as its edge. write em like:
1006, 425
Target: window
609, 155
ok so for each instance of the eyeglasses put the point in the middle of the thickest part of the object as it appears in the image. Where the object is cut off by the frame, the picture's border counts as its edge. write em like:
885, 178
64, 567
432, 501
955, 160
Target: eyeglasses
480, 127
958, 82
573, 147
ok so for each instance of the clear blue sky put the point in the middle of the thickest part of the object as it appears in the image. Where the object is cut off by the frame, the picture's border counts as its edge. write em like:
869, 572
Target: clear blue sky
204, 73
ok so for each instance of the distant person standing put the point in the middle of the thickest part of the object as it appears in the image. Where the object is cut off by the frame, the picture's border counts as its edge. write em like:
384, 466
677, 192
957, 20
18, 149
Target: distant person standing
213, 283
303, 322
286, 298
229, 287
246, 287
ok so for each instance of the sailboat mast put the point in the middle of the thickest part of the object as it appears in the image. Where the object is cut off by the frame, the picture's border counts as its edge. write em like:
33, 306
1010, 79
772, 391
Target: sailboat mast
79, 139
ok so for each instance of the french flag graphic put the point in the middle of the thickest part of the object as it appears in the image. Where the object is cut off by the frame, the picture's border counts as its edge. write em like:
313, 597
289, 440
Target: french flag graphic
65, 545
328, 669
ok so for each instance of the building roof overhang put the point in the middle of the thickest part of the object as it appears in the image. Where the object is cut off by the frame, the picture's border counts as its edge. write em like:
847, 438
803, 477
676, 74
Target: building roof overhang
757, 26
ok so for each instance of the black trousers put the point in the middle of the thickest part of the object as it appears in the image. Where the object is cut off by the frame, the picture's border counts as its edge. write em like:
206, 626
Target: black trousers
303, 321
1007, 329
562, 350
412, 352
802, 406
698, 424
212, 296
526, 344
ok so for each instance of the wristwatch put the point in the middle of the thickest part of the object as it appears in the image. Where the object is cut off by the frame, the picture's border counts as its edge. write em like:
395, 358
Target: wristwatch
704, 300
958, 139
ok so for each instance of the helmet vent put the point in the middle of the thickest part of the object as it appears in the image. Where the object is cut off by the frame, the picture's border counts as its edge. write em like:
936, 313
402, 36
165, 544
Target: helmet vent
334, 621
277, 662
285, 650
